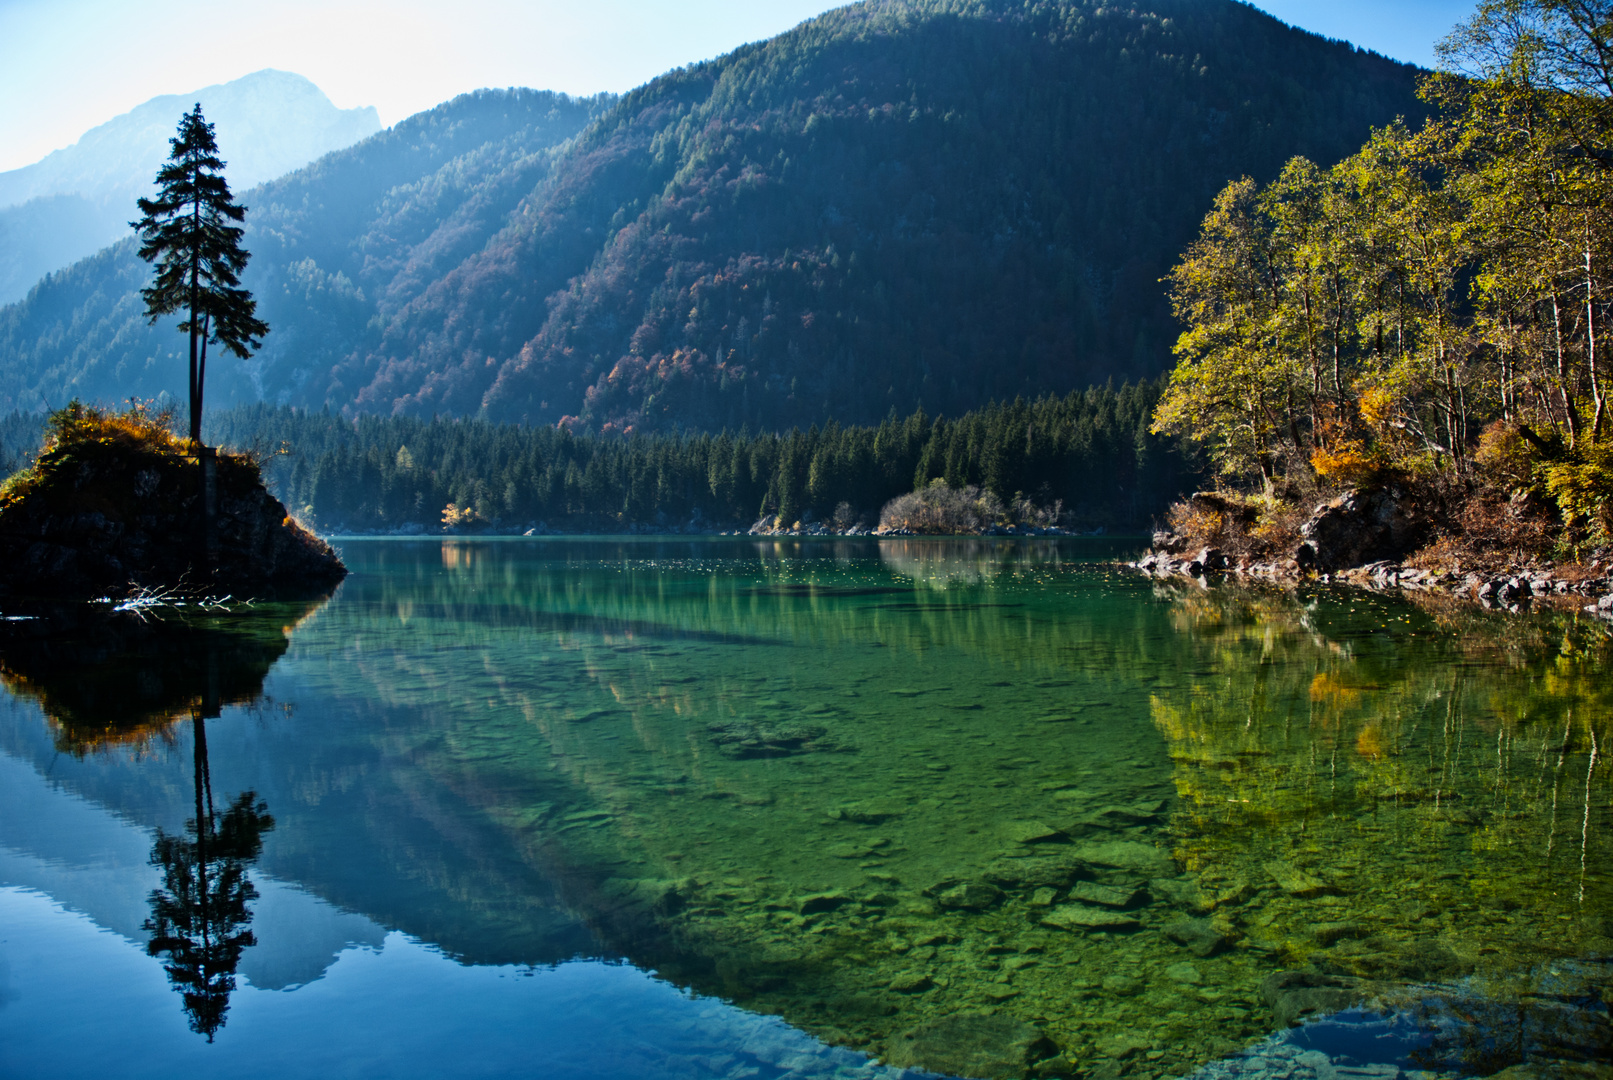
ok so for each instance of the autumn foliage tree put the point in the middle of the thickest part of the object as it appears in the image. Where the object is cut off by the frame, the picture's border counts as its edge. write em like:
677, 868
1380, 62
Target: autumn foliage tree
1436, 303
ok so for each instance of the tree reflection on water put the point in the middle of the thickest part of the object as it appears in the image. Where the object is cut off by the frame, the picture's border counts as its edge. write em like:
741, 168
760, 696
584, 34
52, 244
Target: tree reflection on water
199, 917
118, 680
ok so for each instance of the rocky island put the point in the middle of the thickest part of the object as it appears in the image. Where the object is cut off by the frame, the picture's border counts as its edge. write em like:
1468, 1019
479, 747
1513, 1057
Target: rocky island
117, 505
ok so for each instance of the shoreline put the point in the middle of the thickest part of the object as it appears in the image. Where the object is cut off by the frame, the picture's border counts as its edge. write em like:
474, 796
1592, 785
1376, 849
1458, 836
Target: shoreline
732, 532
1517, 590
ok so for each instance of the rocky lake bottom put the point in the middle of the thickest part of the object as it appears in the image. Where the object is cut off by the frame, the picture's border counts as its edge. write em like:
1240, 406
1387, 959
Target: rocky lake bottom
983, 808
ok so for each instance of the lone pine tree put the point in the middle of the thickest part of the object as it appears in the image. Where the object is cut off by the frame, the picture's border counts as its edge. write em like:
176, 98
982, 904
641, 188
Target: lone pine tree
186, 230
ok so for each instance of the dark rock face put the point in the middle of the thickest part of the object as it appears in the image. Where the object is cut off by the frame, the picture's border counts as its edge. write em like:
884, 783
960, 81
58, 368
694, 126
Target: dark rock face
105, 520
970, 1044
1361, 527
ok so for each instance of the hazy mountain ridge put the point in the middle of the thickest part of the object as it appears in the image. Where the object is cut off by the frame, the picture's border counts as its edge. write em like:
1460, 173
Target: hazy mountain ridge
332, 244
932, 202
81, 198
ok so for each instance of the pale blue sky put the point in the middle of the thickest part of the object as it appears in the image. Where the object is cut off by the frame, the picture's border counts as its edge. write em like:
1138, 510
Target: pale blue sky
67, 65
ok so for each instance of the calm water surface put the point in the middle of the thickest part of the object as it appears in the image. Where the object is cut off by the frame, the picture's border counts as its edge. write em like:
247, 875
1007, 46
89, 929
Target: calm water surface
721, 808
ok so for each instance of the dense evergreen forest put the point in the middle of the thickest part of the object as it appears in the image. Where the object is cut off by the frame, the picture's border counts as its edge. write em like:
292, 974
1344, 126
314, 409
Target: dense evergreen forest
1091, 450
900, 204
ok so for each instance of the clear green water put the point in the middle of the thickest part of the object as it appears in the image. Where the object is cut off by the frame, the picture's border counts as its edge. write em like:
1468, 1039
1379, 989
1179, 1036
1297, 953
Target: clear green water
871, 788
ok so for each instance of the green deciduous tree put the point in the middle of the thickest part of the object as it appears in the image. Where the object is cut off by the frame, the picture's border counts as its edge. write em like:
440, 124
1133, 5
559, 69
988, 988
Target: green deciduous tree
1234, 383
187, 232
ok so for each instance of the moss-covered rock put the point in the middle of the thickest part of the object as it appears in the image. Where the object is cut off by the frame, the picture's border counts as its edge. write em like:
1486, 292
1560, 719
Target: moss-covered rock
116, 504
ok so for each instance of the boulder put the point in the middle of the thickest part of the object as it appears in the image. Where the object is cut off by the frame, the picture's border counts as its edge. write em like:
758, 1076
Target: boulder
1360, 527
1295, 881
1112, 896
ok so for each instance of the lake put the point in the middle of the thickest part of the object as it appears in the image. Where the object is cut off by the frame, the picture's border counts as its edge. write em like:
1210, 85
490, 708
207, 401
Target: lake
733, 808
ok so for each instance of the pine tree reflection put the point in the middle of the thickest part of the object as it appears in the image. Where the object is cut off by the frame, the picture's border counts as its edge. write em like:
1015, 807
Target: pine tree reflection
200, 918
119, 680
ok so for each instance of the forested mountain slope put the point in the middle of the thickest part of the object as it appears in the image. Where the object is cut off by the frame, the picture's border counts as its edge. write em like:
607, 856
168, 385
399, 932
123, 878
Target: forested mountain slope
342, 243
901, 203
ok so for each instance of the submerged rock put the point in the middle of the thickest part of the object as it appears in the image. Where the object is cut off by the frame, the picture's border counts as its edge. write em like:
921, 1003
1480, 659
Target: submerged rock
814, 903
1198, 936
1033, 832
747, 739
1104, 895
991, 1047
1128, 855
1081, 917
970, 896
1293, 995
1422, 960
1294, 881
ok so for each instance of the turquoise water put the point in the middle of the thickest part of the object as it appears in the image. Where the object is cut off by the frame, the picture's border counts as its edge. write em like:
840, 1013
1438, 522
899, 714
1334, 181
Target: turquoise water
805, 808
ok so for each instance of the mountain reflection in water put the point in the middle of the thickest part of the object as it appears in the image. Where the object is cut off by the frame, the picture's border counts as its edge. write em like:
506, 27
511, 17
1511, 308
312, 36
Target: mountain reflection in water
986, 808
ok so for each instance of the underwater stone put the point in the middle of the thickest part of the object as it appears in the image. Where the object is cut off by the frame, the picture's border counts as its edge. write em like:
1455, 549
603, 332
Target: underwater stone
824, 901
870, 812
1184, 973
970, 896
1329, 932
1120, 1047
1036, 873
741, 739
1043, 897
1123, 985
1294, 881
1128, 855
1103, 895
1184, 894
1380, 958
1198, 936
1032, 832
993, 1047
1138, 814
1293, 995
911, 982
1080, 917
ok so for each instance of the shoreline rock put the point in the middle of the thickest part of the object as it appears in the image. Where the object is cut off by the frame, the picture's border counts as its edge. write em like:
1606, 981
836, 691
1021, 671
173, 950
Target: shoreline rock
1367, 538
1515, 590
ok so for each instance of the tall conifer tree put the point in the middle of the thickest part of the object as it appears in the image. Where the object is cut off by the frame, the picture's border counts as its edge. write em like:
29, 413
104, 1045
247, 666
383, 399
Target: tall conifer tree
186, 230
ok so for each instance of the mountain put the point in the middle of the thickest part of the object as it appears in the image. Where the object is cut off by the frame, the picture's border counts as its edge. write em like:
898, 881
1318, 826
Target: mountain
338, 246
901, 203
81, 198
